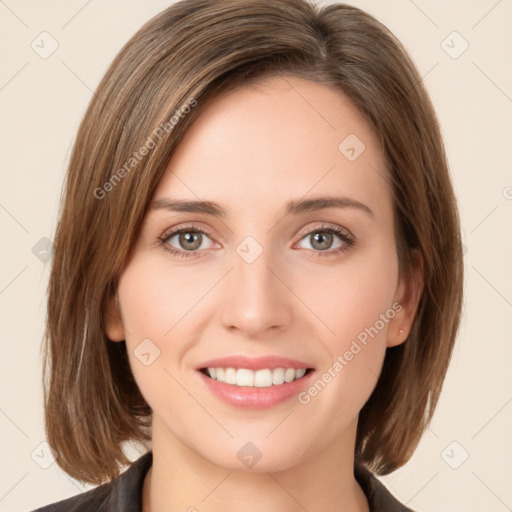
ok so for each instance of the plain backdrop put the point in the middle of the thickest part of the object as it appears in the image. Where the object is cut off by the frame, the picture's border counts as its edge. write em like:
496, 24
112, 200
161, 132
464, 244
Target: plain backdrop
462, 50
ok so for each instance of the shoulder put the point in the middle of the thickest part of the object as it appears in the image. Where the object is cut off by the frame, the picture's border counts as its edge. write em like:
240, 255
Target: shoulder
379, 498
94, 499
119, 495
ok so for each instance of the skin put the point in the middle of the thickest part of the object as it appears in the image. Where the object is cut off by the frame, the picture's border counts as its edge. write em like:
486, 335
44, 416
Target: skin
252, 151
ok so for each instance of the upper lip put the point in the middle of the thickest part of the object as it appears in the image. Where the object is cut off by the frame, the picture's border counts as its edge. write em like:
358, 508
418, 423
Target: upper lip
254, 363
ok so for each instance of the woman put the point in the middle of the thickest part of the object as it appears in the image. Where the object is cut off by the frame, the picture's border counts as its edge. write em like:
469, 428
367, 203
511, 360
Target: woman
258, 266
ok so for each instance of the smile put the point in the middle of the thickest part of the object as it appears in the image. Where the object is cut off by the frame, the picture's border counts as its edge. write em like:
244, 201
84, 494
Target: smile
264, 378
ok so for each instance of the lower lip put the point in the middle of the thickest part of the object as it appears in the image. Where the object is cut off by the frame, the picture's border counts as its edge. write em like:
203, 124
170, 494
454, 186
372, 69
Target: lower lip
246, 397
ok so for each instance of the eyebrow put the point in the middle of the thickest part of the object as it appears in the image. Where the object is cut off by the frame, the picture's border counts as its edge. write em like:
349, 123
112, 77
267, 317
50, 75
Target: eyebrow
292, 207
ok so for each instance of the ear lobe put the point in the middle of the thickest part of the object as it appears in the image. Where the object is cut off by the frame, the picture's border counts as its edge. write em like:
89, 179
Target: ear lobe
408, 294
112, 318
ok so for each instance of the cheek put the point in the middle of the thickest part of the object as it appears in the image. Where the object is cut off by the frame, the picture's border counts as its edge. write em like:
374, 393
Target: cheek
355, 306
162, 308
154, 299
353, 296
154, 303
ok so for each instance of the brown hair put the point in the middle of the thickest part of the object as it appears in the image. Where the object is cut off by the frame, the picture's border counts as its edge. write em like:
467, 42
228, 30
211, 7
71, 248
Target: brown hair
186, 55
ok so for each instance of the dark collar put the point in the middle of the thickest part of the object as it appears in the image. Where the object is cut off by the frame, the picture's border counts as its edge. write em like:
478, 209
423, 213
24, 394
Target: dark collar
122, 494
379, 498
126, 493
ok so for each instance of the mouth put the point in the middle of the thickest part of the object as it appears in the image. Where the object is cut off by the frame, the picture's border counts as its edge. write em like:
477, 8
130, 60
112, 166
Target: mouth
262, 378
258, 389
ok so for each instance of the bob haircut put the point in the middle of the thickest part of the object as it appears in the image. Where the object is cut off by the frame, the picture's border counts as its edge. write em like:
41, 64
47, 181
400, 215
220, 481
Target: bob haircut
182, 58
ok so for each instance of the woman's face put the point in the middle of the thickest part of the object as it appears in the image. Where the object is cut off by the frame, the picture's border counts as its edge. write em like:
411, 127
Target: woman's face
265, 279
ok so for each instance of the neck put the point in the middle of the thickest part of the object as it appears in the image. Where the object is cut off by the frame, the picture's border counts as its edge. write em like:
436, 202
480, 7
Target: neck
182, 480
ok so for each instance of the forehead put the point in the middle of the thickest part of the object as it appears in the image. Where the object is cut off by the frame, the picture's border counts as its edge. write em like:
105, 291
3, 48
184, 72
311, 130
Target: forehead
286, 138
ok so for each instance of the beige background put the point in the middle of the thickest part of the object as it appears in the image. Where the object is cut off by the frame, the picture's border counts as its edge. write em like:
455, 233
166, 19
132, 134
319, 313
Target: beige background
42, 101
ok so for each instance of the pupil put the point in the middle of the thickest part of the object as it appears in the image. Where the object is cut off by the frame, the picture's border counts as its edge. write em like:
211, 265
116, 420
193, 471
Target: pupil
188, 238
318, 236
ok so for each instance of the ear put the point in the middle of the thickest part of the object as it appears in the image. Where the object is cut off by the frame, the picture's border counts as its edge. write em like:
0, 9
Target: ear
113, 322
408, 294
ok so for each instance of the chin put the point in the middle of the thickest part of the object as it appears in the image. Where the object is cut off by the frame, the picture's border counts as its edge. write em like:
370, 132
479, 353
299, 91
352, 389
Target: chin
255, 456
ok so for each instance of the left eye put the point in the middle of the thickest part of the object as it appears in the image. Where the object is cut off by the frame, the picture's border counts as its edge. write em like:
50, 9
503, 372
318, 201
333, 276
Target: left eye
188, 240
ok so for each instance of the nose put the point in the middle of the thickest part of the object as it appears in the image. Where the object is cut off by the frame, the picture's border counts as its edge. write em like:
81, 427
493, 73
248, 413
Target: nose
256, 301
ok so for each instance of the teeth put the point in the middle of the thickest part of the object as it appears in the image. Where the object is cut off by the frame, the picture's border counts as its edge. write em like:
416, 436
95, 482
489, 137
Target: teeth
259, 379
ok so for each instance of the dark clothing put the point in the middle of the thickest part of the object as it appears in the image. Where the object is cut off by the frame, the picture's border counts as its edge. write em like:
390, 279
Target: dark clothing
124, 493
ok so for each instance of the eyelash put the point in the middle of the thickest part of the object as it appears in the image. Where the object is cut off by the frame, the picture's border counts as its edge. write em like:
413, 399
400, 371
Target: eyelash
348, 240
